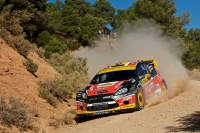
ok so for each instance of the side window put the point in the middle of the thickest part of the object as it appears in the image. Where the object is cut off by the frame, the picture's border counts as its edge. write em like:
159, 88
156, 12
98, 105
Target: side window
103, 77
151, 70
141, 70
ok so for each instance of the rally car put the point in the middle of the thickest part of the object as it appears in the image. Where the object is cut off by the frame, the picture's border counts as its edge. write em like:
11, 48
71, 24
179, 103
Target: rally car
123, 86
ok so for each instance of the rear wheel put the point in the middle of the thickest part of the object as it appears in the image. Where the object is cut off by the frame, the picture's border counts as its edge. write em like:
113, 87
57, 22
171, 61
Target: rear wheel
140, 100
164, 86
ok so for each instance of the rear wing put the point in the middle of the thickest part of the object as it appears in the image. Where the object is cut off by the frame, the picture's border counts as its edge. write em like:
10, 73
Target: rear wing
152, 62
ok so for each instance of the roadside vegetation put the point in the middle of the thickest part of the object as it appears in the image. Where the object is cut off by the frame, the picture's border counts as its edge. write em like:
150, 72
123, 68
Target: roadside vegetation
52, 30
15, 112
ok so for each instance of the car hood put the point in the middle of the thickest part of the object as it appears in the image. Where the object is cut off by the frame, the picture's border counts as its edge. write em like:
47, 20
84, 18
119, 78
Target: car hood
104, 88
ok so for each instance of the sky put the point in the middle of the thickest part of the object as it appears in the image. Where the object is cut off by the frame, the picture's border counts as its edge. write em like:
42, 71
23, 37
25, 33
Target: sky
181, 5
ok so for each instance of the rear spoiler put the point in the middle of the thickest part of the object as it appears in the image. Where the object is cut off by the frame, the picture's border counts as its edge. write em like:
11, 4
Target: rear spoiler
152, 62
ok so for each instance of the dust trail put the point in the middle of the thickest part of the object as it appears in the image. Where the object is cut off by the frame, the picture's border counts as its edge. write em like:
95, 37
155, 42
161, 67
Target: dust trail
144, 42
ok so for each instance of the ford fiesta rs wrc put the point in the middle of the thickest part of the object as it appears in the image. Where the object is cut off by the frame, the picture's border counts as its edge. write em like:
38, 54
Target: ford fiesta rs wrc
123, 86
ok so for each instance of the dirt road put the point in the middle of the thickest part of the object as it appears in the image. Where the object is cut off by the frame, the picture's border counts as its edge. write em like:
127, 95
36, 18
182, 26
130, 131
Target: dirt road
179, 114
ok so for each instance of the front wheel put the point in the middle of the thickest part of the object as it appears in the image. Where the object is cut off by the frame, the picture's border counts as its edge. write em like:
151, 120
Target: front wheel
140, 100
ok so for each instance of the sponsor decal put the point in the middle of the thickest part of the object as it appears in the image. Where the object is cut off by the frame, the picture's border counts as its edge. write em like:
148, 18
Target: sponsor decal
149, 87
157, 86
150, 68
102, 91
127, 98
117, 86
107, 84
159, 78
106, 97
91, 88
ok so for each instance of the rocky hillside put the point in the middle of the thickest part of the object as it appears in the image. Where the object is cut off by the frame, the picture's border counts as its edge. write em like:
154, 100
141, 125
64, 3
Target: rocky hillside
17, 82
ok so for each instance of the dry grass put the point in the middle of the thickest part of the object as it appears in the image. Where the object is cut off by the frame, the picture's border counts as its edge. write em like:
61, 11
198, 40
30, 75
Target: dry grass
65, 119
72, 111
15, 112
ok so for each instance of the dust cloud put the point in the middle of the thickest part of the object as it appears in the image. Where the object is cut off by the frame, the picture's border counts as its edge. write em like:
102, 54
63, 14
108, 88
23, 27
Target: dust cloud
144, 42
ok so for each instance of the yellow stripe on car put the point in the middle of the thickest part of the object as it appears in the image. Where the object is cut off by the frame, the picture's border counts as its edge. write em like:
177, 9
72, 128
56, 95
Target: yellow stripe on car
119, 68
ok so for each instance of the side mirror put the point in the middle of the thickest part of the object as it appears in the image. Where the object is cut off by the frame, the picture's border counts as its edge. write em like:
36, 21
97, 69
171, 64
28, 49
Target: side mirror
146, 76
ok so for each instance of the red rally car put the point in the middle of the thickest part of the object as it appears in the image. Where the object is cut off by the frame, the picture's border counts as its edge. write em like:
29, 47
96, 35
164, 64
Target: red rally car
123, 86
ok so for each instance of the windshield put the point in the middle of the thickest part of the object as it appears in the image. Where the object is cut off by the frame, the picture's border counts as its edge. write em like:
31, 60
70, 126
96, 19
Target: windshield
113, 76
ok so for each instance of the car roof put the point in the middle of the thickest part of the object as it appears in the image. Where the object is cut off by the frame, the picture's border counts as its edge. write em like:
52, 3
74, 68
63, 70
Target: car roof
119, 67
127, 66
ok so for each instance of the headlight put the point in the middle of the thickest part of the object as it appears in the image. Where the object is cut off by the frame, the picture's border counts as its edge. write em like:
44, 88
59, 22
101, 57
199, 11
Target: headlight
84, 96
121, 91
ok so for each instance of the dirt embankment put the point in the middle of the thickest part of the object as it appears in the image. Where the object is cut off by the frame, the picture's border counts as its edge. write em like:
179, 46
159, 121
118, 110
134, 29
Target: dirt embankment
16, 81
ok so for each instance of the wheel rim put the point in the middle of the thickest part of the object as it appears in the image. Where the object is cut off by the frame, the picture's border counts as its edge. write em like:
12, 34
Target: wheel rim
163, 87
140, 99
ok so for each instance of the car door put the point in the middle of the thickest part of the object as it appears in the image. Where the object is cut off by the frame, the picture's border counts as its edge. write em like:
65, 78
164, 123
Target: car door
156, 79
146, 82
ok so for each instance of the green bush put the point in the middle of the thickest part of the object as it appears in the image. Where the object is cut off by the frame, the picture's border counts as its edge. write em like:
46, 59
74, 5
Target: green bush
77, 80
43, 39
73, 45
67, 64
74, 69
54, 46
54, 90
15, 112
31, 66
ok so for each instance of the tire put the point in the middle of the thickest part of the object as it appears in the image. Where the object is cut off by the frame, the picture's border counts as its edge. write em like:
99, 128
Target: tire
164, 86
140, 100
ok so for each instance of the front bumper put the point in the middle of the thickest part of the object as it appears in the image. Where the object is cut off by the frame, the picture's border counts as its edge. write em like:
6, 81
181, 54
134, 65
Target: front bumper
108, 111
122, 104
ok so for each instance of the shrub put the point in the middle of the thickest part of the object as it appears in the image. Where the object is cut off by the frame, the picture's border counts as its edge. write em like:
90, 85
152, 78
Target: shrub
31, 66
74, 69
55, 122
66, 119
12, 33
77, 80
15, 112
48, 96
54, 90
43, 39
39, 51
22, 45
54, 46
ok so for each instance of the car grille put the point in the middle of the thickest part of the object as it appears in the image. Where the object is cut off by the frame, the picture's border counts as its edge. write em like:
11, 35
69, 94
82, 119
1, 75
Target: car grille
101, 103
100, 100
102, 107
